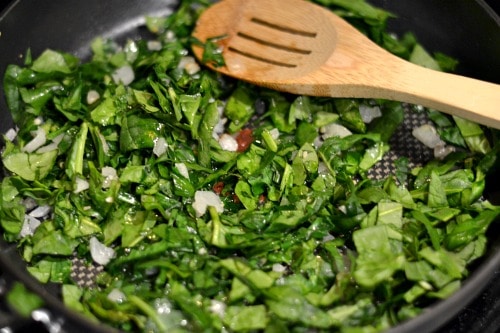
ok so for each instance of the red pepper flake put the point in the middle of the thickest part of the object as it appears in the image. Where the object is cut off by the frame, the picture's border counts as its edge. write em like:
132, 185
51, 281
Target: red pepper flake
236, 199
218, 187
262, 199
244, 139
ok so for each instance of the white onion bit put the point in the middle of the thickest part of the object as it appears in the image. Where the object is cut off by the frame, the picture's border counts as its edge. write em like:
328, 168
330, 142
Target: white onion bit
160, 146
29, 203
100, 253
117, 296
30, 224
40, 211
205, 199
218, 307
334, 129
11, 134
153, 45
80, 185
38, 121
124, 75
228, 143
275, 133
105, 147
219, 128
92, 97
38, 140
279, 268
50, 147
368, 113
189, 64
110, 175
183, 170
441, 151
428, 135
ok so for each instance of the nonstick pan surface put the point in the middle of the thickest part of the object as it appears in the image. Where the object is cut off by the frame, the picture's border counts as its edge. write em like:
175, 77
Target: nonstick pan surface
465, 29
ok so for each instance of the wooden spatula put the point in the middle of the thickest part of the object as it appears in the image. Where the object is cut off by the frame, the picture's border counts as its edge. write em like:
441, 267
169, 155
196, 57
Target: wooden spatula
298, 47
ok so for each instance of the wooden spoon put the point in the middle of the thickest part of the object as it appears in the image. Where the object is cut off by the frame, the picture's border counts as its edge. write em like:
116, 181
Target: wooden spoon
298, 47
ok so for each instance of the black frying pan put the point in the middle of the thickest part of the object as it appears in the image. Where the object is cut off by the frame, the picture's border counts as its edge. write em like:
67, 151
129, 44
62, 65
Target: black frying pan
466, 29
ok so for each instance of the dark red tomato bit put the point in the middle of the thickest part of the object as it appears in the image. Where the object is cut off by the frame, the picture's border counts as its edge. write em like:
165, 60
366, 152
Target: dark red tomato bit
218, 187
236, 199
244, 139
262, 199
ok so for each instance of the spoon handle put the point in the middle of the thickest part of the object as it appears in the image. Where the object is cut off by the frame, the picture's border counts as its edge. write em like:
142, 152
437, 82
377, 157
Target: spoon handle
360, 68
379, 74
457, 95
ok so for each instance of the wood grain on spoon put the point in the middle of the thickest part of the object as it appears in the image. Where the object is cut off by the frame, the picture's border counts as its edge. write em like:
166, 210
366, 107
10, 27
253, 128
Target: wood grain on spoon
298, 47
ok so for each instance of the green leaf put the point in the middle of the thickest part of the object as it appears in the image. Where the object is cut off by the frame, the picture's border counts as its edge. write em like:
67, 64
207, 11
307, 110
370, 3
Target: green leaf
244, 318
245, 195
23, 300
437, 195
239, 108
30, 166
139, 132
47, 240
51, 61
421, 57
377, 260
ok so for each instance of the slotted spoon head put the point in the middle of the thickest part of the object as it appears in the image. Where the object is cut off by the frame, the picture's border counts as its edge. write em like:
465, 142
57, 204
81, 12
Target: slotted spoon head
260, 45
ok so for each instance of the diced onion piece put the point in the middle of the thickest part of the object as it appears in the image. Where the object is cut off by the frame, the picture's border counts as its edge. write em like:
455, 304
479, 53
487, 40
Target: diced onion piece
153, 45
170, 35
92, 97
29, 203
279, 268
189, 64
38, 141
219, 128
334, 129
81, 185
40, 211
58, 138
442, 150
160, 146
104, 143
11, 134
100, 253
117, 296
275, 133
218, 308
368, 113
109, 174
30, 224
124, 75
205, 199
38, 121
183, 170
228, 143
51, 146
428, 135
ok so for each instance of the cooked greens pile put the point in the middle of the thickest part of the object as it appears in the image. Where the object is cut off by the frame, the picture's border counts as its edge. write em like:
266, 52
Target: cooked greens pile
214, 205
